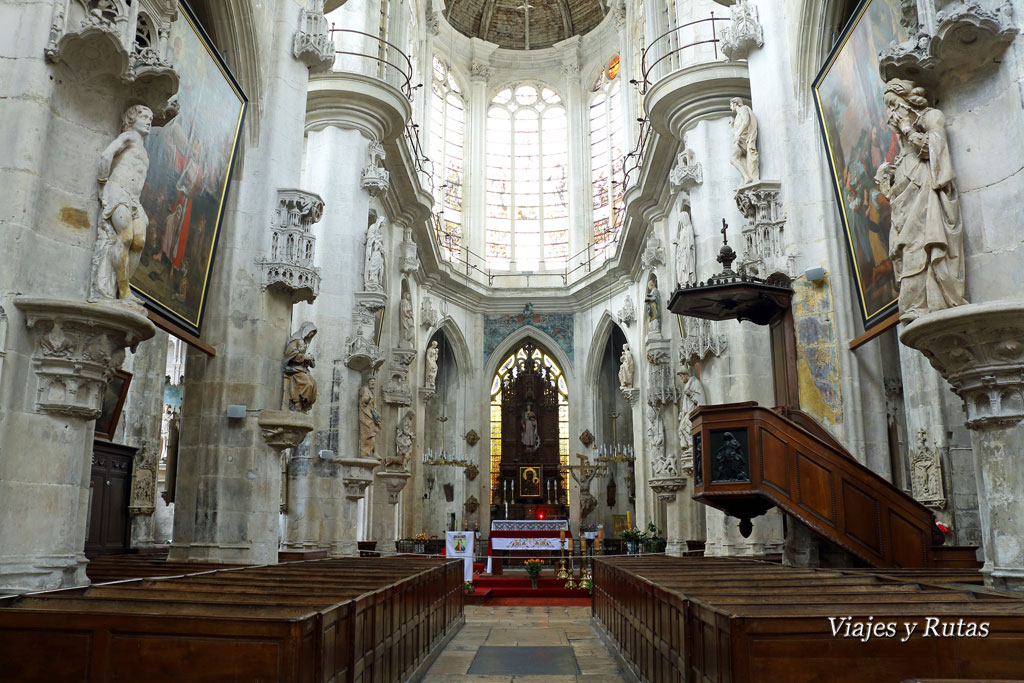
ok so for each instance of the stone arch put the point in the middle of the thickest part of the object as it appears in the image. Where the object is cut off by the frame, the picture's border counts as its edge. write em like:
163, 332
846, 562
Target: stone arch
598, 342
543, 340
457, 343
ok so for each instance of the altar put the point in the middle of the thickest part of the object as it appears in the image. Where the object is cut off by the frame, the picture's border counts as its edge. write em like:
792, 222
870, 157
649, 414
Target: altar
526, 538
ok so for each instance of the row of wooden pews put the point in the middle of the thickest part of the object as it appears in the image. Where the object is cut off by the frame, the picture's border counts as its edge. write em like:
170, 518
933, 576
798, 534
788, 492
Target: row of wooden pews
339, 620
727, 620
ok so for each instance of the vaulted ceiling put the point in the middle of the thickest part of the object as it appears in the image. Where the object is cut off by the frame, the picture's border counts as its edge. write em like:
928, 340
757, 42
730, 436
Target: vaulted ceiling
525, 24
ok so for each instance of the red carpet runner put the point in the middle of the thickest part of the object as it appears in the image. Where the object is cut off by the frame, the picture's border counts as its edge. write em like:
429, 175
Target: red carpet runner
519, 587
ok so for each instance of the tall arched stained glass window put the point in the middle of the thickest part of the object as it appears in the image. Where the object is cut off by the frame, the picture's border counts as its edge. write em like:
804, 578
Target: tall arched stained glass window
527, 193
447, 120
606, 151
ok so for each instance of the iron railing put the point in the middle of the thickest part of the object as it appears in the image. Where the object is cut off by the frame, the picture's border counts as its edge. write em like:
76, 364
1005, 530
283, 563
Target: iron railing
398, 72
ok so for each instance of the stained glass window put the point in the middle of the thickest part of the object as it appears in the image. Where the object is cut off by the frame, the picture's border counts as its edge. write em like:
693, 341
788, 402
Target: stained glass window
510, 366
527, 179
606, 157
447, 121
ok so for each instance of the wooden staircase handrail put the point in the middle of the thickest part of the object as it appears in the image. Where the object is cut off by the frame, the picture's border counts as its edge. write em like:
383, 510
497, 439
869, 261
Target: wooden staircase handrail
806, 473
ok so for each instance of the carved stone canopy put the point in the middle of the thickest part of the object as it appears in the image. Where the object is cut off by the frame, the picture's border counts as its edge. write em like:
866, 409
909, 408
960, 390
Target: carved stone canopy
312, 42
119, 40
289, 265
744, 32
78, 346
687, 173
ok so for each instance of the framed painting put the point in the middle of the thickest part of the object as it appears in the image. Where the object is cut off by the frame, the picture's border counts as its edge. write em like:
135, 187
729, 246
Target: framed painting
113, 402
529, 481
190, 162
848, 97
620, 523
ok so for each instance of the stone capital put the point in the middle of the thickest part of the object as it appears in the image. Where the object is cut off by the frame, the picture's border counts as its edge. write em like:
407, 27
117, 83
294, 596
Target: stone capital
395, 483
666, 487
979, 350
357, 474
283, 429
78, 346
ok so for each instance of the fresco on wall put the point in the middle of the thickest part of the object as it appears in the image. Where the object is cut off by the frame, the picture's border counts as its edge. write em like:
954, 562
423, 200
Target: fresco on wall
190, 162
848, 93
817, 357
558, 326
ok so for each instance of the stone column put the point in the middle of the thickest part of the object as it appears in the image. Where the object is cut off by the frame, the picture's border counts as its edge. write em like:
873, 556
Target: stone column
475, 148
978, 349
227, 507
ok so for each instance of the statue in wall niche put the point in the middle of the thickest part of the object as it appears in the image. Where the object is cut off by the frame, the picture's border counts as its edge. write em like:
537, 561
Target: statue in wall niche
627, 368
531, 438
407, 321
662, 464
926, 237
373, 262
653, 304
693, 396
369, 420
405, 439
300, 386
686, 262
430, 380
121, 234
744, 142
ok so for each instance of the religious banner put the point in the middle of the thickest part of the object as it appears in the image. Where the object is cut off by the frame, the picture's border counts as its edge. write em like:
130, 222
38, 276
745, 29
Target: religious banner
461, 544
186, 188
848, 93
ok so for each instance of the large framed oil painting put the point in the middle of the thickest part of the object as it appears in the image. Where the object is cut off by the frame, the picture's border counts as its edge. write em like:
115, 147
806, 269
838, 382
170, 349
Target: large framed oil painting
190, 161
848, 93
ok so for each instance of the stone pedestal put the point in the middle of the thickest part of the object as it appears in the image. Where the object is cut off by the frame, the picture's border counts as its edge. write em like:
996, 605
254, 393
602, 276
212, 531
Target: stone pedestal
672, 490
979, 349
62, 365
384, 519
312, 502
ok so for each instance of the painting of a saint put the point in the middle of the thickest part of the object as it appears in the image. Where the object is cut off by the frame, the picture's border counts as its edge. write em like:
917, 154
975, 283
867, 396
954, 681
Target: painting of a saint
848, 93
529, 482
190, 165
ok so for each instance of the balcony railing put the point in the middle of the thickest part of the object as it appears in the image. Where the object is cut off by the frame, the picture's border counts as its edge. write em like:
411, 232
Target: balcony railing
665, 55
359, 52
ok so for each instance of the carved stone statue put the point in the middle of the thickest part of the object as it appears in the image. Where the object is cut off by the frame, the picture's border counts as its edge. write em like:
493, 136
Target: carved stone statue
729, 463
653, 305
407, 321
627, 368
369, 420
926, 237
686, 271
662, 464
692, 396
531, 438
744, 142
373, 265
430, 380
121, 234
300, 386
405, 439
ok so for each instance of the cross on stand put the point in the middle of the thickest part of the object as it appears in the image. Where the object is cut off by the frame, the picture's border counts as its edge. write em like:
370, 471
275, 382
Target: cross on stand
587, 472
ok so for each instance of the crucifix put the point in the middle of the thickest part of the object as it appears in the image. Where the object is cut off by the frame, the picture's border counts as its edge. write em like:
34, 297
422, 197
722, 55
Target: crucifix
525, 9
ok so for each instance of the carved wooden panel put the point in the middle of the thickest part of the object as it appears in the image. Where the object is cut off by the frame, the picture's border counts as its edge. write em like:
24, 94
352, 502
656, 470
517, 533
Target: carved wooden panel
110, 488
909, 545
774, 463
815, 490
861, 514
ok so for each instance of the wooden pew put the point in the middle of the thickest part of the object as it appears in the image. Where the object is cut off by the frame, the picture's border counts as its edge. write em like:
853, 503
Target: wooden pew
350, 619
720, 620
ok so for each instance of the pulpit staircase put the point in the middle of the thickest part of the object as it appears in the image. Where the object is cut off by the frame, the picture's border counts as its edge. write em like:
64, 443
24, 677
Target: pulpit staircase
749, 459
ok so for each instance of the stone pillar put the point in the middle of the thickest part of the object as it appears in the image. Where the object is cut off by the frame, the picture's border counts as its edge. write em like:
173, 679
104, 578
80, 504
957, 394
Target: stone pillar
141, 419
475, 149
978, 349
228, 501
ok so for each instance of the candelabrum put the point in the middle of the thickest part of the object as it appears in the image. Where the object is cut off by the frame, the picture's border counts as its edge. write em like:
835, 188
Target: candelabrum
562, 574
615, 453
443, 458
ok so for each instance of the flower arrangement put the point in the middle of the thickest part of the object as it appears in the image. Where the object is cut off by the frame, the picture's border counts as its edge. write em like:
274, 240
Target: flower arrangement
943, 528
533, 568
419, 538
467, 587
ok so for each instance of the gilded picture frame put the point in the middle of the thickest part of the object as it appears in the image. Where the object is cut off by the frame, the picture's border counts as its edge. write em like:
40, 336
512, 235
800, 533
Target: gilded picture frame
113, 403
851, 114
530, 481
190, 164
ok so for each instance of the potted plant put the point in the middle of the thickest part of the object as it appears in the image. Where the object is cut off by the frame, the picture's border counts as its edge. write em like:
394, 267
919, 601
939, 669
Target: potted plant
654, 540
533, 568
632, 538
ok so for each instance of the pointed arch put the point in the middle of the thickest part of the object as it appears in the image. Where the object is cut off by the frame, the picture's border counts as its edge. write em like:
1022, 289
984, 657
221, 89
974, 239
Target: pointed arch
543, 340
598, 343
457, 343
